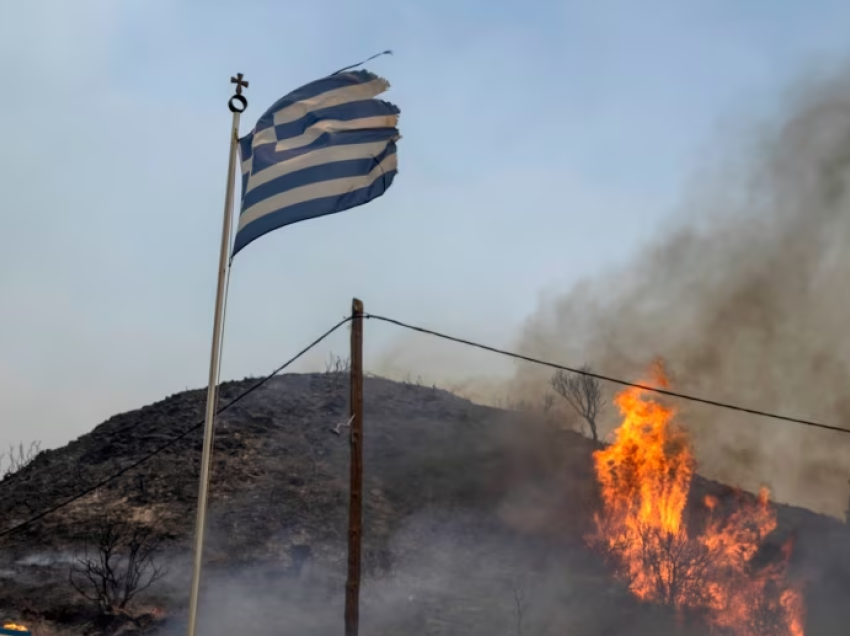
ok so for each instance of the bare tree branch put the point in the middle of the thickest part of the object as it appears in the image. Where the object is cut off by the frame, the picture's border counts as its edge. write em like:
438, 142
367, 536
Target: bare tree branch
118, 563
519, 604
583, 393
337, 364
18, 457
337, 369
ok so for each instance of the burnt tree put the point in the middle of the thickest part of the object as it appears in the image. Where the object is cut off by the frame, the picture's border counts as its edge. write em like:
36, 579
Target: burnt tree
18, 457
583, 393
118, 563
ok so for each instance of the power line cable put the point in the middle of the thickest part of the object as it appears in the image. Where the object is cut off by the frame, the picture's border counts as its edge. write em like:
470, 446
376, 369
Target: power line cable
430, 332
605, 378
172, 441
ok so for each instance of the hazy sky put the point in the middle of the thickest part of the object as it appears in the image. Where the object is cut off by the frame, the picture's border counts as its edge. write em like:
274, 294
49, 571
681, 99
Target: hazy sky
543, 141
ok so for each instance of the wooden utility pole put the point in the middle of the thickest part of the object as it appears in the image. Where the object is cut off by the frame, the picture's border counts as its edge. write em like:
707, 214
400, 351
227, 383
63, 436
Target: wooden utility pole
355, 506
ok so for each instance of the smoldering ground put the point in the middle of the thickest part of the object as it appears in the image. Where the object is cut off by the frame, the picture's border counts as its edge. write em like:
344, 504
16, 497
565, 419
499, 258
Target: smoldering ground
454, 573
490, 547
482, 512
746, 300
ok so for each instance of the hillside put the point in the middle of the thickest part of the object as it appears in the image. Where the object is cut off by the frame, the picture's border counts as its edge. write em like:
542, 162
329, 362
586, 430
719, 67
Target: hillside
470, 513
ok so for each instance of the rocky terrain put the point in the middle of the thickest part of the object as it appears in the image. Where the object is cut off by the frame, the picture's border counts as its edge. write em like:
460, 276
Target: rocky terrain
474, 520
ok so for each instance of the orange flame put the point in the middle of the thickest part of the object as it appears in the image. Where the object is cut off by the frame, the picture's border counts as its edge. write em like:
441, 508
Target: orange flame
645, 478
14, 627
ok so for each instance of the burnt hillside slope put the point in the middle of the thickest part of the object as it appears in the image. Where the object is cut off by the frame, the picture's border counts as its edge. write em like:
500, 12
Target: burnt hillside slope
464, 503
277, 459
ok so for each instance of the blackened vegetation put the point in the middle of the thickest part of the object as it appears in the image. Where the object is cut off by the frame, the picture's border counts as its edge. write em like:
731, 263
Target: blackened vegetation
583, 393
18, 457
118, 561
474, 517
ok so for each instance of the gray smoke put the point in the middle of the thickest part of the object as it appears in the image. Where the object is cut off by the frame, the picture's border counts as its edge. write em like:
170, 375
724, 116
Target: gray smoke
453, 573
748, 301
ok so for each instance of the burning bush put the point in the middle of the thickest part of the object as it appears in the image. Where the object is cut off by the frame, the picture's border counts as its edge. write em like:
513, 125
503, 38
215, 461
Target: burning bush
664, 557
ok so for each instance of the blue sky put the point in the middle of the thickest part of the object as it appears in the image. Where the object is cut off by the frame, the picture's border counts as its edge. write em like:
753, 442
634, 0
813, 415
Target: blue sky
543, 143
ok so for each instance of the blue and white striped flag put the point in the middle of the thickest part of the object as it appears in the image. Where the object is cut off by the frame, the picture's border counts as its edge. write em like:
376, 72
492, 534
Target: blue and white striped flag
323, 148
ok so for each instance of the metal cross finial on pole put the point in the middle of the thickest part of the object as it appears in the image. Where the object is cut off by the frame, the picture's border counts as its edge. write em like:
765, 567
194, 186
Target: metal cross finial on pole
237, 104
239, 83
238, 98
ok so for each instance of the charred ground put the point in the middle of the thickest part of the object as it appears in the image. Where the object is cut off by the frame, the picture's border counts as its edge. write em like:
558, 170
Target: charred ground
474, 517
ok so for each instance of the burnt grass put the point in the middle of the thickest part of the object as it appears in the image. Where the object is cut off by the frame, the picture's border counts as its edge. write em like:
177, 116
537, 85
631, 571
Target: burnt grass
474, 520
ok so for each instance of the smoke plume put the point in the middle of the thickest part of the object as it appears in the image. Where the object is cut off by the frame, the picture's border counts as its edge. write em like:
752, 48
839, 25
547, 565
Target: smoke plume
747, 302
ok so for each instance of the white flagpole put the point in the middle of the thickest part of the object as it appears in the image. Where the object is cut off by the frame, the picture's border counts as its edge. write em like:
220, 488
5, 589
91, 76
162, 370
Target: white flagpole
237, 105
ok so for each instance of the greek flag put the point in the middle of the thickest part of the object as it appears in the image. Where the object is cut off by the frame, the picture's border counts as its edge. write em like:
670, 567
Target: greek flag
323, 148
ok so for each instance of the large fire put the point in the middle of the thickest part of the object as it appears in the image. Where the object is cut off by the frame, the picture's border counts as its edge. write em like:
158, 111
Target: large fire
15, 627
702, 568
